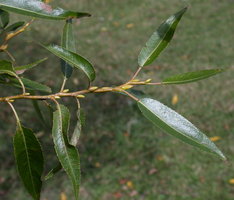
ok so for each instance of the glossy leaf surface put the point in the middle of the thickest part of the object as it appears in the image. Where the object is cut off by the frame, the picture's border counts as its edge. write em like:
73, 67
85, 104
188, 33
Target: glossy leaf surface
176, 125
29, 160
160, 39
73, 59
68, 42
67, 154
191, 76
39, 9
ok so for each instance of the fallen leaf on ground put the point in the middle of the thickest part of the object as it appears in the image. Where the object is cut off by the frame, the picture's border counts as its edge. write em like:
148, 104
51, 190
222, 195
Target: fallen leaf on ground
129, 184
231, 181
215, 138
118, 195
159, 158
97, 164
63, 196
130, 25
152, 171
175, 99
133, 193
123, 181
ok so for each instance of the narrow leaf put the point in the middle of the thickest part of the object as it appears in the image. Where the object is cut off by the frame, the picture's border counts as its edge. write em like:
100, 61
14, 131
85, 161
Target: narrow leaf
176, 125
160, 39
29, 85
67, 154
6, 65
73, 59
4, 16
14, 26
68, 42
35, 8
78, 128
7, 68
192, 76
29, 160
39, 113
20, 69
53, 171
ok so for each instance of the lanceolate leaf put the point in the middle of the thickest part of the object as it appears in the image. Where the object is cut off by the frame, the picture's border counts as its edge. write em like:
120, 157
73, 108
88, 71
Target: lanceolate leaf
14, 26
67, 154
39, 113
78, 128
6, 65
4, 16
160, 39
35, 8
192, 76
29, 160
73, 59
68, 42
53, 171
176, 125
30, 85
21, 69
7, 68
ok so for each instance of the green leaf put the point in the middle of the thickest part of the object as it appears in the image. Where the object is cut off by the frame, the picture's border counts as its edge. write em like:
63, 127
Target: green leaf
160, 39
6, 65
7, 68
176, 125
29, 84
29, 160
53, 171
20, 69
191, 76
35, 8
39, 113
73, 59
14, 26
67, 154
4, 16
68, 42
78, 128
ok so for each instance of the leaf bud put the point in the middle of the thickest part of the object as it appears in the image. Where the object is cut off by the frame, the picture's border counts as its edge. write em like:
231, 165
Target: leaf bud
80, 96
93, 88
66, 90
148, 80
135, 80
126, 87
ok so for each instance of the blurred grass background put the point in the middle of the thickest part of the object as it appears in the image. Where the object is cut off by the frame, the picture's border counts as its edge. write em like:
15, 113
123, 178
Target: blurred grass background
123, 156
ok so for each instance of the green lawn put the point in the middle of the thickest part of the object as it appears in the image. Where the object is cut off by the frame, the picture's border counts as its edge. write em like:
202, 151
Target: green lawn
123, 156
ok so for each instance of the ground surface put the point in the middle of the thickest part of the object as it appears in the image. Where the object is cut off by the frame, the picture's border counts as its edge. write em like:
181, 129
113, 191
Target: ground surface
122, 155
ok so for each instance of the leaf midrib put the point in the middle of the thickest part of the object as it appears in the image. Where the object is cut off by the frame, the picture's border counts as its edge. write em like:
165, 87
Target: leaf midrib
60, 119
30, 11
194, 79
29, 165
77, 66
146, 60
169, 125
